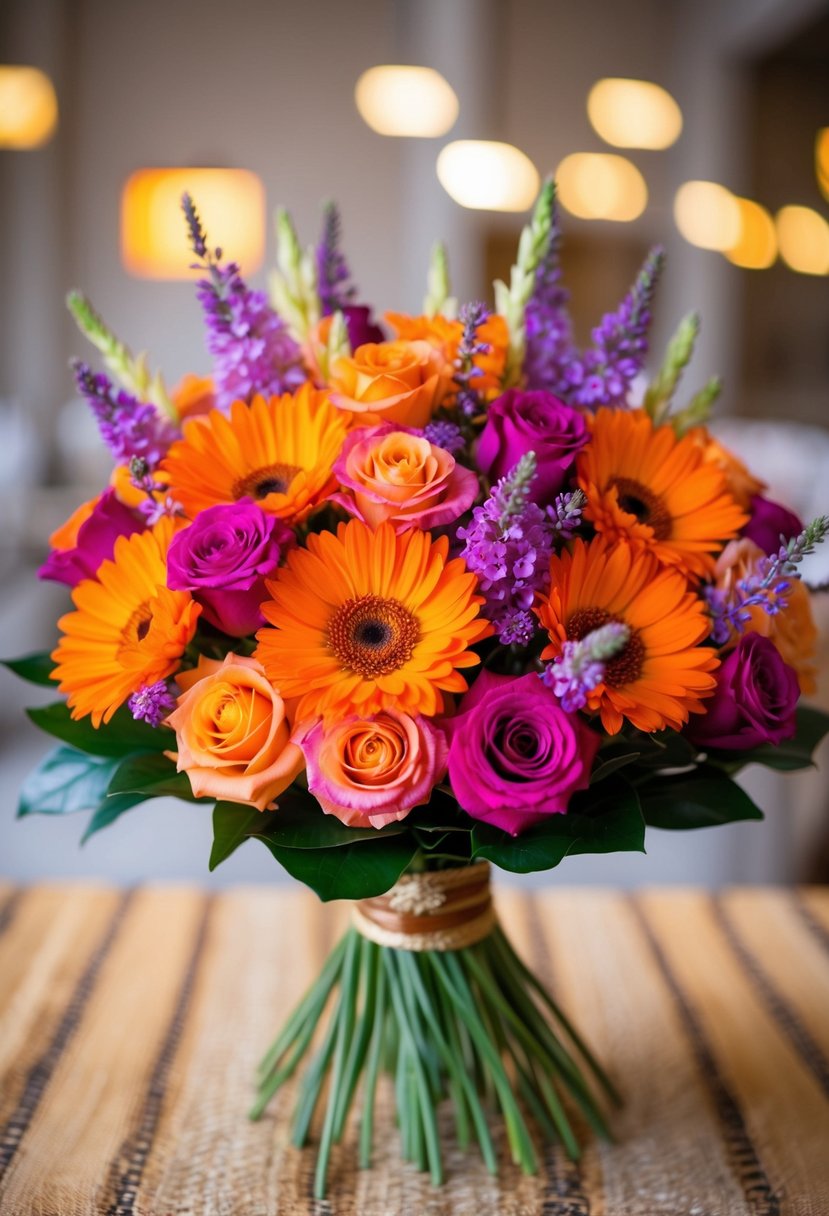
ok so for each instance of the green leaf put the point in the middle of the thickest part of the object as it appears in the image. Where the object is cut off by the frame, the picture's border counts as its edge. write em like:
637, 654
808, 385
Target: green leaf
122, 734
154, 776
793, 754
611, 764
297, 823
609, 823
356, 871
111, 809
233, 824
700, 799
66, 781
36, 667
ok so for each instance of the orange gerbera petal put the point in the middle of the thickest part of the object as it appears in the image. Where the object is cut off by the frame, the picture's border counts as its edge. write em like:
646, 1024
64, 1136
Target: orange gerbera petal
656, 491
128, 629
367, 620
278, 452
662, 674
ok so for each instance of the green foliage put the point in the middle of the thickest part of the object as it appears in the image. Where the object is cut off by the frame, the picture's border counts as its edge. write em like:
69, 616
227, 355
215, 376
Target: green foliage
37, 667
608, 823
121, 735
793, 754
154, 776
702, 798
66, 781
355, 871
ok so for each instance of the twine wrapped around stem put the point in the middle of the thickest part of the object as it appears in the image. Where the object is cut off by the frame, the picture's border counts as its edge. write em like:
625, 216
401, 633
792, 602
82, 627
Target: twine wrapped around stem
432, 910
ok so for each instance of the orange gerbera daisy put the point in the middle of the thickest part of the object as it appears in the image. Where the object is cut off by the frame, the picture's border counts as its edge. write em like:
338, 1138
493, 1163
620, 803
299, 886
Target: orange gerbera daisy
367, 620
129, 629
660, 676
278, 452
646, 486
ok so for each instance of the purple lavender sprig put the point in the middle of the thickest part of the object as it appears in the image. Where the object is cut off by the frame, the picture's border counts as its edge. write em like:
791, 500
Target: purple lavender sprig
334, 285
508, 545
581, 665
130, 428
250, 344
566, 513
549, 342
152, 703
469, 400
604, 373
444, 434
767, 586
158, 504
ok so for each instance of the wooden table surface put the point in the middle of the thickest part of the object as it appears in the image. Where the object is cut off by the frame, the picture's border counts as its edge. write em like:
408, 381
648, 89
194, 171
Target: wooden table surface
131, 1023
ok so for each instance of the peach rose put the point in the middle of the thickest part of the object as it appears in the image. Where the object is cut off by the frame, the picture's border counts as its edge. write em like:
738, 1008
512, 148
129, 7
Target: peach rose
372, 771
394, 475
232, 734
792, 630
445, 336
398, 381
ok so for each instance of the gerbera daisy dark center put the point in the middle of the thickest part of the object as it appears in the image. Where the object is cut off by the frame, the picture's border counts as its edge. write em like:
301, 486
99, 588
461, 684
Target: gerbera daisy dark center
372, 635
272, 479
636, 499
624, 667
138, 626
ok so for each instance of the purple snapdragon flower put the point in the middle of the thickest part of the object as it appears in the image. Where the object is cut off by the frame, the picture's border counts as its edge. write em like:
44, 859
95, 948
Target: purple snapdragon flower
250, 344
508, 545
130, 428
472, 316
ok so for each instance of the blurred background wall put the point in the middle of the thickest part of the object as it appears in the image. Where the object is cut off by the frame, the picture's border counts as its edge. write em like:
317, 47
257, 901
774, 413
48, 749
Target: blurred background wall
269, 87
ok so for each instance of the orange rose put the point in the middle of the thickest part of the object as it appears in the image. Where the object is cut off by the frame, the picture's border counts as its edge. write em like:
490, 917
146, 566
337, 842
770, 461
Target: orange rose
232, 734
398, 381
445, 336
792, 630
194, 395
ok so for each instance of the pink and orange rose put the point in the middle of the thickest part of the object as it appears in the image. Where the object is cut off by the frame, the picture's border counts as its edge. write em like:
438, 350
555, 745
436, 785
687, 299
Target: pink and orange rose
373, 771
232, 733
394, 475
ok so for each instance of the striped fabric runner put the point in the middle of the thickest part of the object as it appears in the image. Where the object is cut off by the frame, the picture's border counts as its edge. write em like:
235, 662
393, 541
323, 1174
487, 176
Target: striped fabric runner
131, 1024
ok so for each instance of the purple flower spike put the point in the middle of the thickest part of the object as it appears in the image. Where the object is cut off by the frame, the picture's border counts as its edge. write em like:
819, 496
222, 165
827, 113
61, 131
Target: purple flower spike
581, 665
250, 344
130, 428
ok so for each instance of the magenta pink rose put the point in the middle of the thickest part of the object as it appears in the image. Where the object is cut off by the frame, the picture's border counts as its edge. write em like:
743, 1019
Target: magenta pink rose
94, 543
223, 558
372, 771
519, 422
768, 522
392, 474
515, 756
755, 700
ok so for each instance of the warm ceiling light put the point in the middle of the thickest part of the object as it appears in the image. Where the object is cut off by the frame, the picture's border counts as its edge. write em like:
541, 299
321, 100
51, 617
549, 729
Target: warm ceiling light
601, 186
756, 247
231, 203
634, 113
707, 215
28, 107
399, 100
822, 159
803, 236
488, 176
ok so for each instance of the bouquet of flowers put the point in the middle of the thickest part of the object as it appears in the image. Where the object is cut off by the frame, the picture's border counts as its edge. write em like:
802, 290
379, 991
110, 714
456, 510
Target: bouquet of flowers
402, 608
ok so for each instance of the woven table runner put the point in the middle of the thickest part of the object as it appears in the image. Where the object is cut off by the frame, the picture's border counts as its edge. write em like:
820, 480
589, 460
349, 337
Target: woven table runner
131, 1024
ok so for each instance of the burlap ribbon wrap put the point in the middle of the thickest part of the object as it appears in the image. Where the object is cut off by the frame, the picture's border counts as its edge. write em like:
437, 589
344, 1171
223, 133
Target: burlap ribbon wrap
434, 910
